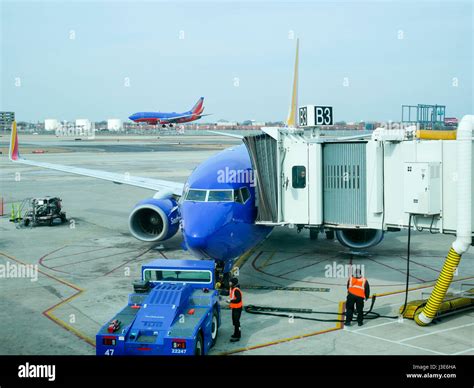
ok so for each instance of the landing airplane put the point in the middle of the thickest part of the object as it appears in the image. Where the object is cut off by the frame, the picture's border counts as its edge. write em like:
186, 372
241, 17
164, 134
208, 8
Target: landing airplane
216, 217
163, 118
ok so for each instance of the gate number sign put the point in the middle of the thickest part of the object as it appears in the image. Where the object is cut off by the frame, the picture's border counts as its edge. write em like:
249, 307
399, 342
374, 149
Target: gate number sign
323, 115
311, 116
303, 116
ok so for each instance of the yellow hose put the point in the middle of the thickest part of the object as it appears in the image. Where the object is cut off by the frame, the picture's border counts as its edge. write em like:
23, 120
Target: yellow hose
436, 134
439, 292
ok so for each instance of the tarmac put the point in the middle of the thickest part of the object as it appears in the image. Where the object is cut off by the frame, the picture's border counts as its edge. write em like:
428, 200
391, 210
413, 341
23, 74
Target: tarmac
86, 266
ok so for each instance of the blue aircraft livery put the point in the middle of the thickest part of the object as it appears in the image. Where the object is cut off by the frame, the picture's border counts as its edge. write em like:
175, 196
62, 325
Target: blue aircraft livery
170, 118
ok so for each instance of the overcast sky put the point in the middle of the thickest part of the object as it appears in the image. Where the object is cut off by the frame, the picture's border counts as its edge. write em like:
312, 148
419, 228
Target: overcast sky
104, 59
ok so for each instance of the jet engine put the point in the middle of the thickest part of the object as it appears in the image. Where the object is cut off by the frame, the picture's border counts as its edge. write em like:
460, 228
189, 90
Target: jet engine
154, 219
359, 238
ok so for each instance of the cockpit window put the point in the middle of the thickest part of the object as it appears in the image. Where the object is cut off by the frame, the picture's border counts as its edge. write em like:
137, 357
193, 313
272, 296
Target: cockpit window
228, 195
245, 194
237, 196
196, 195
220, 196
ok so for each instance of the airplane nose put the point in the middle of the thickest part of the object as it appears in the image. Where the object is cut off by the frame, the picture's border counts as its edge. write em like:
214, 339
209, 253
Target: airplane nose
131, 117
202, 223
195, 243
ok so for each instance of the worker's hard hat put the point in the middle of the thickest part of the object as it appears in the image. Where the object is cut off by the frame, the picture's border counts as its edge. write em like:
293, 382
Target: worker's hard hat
234, 281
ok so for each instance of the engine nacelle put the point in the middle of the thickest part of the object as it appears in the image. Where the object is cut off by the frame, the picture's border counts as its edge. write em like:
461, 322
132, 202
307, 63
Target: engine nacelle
359, 238
154, 219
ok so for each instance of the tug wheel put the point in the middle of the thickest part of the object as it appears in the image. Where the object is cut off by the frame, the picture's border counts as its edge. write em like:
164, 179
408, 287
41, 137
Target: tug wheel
199, 347
214, 327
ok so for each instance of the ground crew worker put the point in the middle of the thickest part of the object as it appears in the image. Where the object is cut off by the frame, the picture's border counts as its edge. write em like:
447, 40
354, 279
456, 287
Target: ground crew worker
235, 304
358, 290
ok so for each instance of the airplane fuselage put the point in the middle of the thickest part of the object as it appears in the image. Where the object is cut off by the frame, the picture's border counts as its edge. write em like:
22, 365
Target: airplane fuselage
218, 207
155, 118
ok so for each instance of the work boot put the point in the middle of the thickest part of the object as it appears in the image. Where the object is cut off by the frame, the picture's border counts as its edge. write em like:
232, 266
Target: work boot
347, 323
360, 323
234, 339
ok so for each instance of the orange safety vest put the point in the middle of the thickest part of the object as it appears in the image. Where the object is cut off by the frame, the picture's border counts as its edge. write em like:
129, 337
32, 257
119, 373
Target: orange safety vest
357, 286
232, 296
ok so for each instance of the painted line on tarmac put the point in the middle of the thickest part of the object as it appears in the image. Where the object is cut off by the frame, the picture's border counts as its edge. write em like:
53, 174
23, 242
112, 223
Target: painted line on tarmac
128, 261
259, 269
93, 259
270, 256
303, 267
373, 327
420, 287
422, 265
436, 332
462, 352
48, 313
243, 258
338, 326
163, 255
283, 288
75, 254
285, 259
395, 342
55, 268
398, 270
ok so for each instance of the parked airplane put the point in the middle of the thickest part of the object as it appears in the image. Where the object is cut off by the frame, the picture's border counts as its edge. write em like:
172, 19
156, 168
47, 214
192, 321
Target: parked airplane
163, 118
216, 216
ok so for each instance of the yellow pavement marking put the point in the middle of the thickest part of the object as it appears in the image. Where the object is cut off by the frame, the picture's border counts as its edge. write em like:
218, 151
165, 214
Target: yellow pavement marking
268, 260
48, 312
338, 326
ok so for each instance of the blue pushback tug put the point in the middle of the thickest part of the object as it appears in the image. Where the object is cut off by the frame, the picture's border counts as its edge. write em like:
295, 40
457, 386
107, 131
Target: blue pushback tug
174, 310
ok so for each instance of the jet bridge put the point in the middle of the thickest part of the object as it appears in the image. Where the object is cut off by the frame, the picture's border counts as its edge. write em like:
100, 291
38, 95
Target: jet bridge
312, 181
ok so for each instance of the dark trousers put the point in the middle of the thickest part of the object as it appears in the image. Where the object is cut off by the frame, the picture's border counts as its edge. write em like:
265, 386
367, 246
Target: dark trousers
359, 302
236, 313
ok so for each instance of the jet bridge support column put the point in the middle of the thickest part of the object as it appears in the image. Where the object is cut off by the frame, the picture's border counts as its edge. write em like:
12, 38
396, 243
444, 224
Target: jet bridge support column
464, 226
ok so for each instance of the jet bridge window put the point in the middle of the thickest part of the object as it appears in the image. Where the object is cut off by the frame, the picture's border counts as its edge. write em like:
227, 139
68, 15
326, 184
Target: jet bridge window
159, 275
299, 177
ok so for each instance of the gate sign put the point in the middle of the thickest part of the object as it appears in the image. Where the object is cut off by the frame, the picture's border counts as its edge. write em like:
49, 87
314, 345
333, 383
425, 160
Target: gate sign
312, 116
323, 115
303, 119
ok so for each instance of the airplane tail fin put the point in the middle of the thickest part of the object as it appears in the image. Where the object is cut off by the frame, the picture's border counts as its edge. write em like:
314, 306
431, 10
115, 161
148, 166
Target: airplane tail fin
14, 153
198, 107
292, 114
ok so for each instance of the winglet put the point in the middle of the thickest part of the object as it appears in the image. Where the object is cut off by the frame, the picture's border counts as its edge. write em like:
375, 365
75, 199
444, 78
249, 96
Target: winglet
14, 151
292, 118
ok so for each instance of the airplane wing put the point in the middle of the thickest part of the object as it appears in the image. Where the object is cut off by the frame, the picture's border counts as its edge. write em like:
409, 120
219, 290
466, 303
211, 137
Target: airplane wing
173, 188
227, 134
